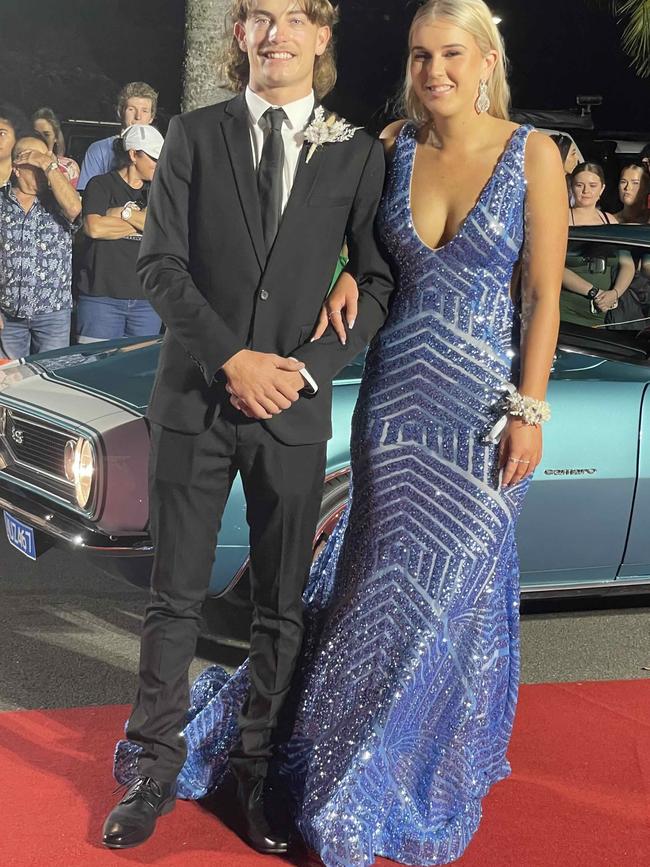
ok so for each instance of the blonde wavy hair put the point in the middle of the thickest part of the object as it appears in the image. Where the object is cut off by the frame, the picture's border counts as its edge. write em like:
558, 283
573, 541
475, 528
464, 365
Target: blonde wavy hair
475, 17
235, 64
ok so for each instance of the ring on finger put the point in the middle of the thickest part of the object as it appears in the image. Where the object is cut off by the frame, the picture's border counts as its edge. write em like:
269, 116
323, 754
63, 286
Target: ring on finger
518, 461
329, 315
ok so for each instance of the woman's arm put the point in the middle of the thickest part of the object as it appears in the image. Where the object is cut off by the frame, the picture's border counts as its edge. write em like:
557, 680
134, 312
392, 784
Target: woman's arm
579, 285
543, 267
542, 273
575, 283
343, 299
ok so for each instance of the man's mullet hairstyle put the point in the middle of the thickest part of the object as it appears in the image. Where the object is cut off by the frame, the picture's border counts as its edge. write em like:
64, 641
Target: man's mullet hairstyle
235, 61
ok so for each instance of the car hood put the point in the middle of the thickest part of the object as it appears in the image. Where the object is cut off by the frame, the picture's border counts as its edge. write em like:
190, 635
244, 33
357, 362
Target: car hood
121, 371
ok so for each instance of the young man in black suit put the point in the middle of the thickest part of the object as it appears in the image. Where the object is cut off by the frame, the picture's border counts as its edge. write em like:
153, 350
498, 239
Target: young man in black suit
245, 223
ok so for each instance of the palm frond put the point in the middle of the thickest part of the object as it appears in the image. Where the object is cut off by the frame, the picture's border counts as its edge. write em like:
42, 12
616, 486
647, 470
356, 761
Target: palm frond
635, 17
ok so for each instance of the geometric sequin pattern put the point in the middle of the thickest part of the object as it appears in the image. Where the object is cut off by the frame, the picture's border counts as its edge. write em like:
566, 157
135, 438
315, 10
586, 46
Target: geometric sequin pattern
409, 676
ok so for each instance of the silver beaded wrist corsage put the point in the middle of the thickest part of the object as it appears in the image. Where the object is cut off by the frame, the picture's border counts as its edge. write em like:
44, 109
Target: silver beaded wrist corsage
519, 405
527, 408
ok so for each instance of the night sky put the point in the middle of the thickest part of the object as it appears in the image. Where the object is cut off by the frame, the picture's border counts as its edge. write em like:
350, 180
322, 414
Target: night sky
75, 54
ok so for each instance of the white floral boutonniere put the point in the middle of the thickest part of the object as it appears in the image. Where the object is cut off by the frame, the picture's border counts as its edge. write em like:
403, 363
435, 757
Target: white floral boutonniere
327, 130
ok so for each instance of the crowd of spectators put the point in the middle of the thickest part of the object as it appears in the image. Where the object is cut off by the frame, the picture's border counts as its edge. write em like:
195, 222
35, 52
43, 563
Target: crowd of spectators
606, 286
44, 224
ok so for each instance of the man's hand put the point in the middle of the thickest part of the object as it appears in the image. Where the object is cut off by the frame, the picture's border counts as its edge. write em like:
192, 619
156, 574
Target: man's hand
33, 158
262, 384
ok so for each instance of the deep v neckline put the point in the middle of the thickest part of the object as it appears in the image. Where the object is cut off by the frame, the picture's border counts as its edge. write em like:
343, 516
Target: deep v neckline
483, 192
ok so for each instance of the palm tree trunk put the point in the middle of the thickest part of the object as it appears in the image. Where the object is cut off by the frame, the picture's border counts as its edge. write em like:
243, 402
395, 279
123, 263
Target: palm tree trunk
205, 25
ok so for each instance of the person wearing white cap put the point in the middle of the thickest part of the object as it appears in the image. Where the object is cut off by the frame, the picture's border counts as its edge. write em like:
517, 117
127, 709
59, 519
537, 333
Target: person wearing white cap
111, 303
136, 103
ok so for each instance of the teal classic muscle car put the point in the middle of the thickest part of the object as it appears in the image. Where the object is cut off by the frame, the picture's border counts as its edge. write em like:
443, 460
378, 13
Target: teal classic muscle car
74, 444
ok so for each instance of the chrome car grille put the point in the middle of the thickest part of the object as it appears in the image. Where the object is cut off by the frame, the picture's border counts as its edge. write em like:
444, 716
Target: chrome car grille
34, 452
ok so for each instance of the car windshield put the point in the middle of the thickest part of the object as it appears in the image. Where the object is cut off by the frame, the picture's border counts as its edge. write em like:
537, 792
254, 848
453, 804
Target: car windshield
605, 298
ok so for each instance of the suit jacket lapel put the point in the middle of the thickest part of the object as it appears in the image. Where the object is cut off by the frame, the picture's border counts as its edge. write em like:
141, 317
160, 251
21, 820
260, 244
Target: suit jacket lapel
237, 135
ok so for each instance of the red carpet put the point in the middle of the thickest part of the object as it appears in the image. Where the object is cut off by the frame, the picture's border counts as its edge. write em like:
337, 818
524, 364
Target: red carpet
579, 795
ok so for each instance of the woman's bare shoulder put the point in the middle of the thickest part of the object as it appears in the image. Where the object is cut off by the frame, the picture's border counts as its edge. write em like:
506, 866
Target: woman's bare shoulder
542, 156
388, 135
541, 146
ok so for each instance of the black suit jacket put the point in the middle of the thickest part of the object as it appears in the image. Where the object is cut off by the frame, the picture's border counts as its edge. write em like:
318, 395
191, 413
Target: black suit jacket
204, 269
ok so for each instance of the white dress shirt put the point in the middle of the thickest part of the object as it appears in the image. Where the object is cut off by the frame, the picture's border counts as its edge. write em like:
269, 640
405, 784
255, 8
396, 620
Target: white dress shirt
293, 137
293, 133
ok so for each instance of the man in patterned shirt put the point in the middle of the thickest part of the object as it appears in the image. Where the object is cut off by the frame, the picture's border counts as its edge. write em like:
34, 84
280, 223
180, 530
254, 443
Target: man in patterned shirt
39, 211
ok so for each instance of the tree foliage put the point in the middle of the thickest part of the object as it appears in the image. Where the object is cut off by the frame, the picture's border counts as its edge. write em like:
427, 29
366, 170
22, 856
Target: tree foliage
634, 17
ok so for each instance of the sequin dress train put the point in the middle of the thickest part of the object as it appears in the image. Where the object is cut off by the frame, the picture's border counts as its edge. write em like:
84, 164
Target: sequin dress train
409, 678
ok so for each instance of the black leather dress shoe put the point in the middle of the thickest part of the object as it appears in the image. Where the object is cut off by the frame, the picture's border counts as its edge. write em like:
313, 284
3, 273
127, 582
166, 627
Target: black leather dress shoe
133, 820
252, 821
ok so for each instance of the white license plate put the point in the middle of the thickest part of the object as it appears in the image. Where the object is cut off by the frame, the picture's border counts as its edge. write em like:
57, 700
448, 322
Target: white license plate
21, 536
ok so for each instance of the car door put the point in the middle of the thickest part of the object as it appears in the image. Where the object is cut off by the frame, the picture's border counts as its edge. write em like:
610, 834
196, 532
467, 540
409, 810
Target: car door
575, 521
636, 560
574, 524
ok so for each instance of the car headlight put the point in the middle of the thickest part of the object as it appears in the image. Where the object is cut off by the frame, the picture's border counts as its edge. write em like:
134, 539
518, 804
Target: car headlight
79, 462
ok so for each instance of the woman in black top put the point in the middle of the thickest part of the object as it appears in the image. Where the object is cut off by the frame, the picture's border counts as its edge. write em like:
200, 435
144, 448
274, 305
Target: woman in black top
111, 303
588, 186
595, 278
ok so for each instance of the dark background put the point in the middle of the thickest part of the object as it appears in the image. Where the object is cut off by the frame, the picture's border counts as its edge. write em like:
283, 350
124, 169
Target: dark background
75, 54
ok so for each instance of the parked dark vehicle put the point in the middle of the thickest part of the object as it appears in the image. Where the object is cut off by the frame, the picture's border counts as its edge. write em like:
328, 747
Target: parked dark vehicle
80, 134
612, 149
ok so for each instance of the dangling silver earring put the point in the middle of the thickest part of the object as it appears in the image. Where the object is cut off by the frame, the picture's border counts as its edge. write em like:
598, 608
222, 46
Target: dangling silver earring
482, 103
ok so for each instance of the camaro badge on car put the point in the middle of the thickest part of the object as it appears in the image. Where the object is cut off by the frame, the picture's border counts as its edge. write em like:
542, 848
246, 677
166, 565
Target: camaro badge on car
581, 472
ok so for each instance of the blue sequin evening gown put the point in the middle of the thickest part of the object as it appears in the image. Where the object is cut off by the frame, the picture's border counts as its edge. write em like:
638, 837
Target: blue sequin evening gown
410, 672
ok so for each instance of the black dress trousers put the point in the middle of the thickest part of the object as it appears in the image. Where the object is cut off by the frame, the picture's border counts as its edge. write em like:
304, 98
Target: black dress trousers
190, 478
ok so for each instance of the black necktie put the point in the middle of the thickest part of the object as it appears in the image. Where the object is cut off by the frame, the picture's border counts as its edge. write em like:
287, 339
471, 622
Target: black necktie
269, 175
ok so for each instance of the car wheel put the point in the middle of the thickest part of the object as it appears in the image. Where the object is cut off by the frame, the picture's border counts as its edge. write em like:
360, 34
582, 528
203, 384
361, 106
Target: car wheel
227, 619
335, 497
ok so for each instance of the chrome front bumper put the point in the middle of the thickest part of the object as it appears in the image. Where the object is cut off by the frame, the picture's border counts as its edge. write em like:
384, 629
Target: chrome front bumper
72, 532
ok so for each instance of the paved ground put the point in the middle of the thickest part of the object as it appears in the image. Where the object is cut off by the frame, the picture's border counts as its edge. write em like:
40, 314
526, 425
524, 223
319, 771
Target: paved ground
69, 636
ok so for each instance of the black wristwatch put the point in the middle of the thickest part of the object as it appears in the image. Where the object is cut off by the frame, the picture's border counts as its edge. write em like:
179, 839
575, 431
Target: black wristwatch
591, 295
